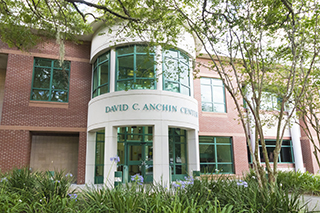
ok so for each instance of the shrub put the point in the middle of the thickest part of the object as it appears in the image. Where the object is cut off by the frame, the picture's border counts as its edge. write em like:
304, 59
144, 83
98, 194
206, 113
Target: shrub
297, 181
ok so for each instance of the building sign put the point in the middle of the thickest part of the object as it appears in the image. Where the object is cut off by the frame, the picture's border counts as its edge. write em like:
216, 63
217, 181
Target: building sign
151, 107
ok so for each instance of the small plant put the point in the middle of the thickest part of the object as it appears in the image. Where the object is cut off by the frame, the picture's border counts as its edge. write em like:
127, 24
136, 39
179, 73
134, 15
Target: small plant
137, 178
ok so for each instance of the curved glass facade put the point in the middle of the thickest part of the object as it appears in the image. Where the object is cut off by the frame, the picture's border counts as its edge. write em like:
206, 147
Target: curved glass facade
101, 73
176, 77
135, 68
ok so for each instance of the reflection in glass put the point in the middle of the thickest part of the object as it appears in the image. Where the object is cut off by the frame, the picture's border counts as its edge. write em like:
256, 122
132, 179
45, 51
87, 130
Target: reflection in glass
215, 153
176, 72
135, 68
101, 75
225, 168
41, 95
207, 153
40, 62
178, 152
212, 95
208, 168
50, 80
59, 96
42, 78
125, 67
60, 79
224, 153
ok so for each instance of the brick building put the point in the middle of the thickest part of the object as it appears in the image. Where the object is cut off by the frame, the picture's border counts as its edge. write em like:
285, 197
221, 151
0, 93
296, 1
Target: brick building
119, 97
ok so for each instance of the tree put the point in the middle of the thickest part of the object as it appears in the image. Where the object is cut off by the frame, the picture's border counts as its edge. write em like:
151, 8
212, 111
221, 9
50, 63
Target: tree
258, 48
309, 113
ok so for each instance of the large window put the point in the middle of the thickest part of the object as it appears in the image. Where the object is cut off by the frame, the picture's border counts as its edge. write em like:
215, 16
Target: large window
99, 158
101, 75
135, 68
178, 153
212, 95
269, 101
215, 154
50, 80
285, 152
176, 75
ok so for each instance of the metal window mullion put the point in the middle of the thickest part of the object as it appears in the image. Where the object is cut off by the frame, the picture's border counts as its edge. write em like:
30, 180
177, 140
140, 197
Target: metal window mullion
291, 149
134, 66
212, 102
51, 79
109, 64
179, 77
224, 98
98, 79
215, 152
116, 71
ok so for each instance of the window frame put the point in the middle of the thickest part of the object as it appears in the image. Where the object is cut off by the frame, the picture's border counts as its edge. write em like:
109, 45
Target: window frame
173, 164
96, 66
179, 60
50, 89
273, 146
271, 98
212, 95
135, 78
217, 163
99, 179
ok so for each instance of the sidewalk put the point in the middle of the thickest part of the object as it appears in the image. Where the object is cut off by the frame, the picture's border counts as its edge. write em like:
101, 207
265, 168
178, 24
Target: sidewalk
313, 202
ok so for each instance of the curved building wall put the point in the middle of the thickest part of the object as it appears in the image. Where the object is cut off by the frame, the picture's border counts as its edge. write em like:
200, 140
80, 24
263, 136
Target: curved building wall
136, 107
168, 106
104, 40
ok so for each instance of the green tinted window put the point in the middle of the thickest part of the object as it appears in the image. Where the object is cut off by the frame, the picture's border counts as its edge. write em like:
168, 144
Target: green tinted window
178, 153
212, 95
286, 153
50, 80
101, 74
176, 76
215, 154
135, 68
99, 158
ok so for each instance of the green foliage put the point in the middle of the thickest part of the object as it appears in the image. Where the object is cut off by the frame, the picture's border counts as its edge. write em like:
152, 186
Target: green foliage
244, 195
219, 195
35, 191
299, 182
23, 23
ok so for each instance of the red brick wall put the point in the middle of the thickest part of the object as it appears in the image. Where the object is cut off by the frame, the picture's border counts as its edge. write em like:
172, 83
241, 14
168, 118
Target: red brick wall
222, 124
16, 112
307, 151
15, 149
82, 158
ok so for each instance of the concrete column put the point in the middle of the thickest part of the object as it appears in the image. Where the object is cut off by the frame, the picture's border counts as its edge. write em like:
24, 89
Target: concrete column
110, 150
191, 78
193, 151
159, 68
90, 157
161, 154
251, 125
112, 70
296, 144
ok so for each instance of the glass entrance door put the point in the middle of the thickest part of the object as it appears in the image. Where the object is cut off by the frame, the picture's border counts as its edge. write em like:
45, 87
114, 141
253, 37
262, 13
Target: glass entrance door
136, 151
140, 160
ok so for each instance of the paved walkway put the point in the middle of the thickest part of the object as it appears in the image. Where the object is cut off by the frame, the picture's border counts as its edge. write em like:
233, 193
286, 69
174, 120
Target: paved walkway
313, 203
